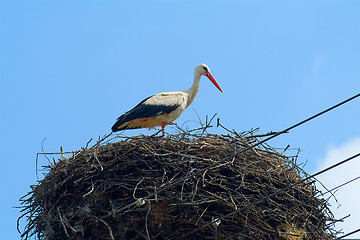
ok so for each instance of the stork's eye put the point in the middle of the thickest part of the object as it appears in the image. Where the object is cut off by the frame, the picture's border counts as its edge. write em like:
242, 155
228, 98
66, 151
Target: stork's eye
205, 68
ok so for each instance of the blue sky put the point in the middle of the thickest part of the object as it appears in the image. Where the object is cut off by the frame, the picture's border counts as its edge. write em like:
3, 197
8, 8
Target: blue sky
68, 69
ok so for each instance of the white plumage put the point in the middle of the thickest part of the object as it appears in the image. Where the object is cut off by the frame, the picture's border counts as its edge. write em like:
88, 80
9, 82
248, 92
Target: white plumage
163, 108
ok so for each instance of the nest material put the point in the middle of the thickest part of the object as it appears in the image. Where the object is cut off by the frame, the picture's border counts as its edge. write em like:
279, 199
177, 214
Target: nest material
92, 194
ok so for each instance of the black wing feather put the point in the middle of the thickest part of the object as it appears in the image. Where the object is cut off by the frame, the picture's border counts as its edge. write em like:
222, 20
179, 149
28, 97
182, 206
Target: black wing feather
142, 110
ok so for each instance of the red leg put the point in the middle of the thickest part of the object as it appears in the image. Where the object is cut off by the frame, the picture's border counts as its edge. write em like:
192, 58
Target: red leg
163, 126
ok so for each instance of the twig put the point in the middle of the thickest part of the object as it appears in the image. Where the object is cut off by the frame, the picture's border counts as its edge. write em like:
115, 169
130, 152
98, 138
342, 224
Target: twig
59, 153
92, 189
97, 159
146, 220
87, 144
62, 223
136, 188
219, 124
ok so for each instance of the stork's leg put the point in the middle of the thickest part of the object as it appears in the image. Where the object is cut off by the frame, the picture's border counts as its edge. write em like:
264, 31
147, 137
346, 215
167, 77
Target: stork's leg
163, 126
163, 130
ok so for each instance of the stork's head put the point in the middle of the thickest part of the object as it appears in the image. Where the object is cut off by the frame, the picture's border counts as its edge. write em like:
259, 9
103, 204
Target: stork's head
203, 69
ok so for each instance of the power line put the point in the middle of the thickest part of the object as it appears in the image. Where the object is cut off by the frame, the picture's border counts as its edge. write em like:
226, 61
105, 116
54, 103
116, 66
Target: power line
235, 154
348, 234
341, 185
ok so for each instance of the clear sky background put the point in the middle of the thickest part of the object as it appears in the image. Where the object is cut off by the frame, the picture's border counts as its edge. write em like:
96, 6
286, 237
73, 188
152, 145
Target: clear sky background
68, 69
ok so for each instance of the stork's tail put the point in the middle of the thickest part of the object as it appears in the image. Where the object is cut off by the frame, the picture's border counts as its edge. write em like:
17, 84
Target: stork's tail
120, 121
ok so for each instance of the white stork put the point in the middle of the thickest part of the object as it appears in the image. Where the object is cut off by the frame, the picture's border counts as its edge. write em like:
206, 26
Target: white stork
163, 108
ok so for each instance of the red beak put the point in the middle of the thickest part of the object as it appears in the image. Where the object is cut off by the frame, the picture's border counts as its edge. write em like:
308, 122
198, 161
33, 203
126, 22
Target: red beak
212, 79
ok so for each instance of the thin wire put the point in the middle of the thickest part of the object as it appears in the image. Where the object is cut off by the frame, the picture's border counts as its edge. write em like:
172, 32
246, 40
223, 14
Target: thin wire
352, 180
348, 234
235, 154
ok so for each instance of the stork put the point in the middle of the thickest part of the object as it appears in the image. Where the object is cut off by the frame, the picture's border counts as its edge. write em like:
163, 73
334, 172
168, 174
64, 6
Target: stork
163, 108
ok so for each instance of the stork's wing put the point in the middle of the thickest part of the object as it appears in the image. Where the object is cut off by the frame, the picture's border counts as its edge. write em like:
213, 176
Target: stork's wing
150, 107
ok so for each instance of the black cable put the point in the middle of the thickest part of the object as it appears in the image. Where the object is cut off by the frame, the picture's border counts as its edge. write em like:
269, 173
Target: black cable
348, 234
341, 185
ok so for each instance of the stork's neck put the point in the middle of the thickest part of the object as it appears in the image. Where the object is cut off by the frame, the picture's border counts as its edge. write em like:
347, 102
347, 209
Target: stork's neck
194, 89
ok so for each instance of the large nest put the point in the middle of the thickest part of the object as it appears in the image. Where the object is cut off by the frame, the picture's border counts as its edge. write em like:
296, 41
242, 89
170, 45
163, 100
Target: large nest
147, 187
